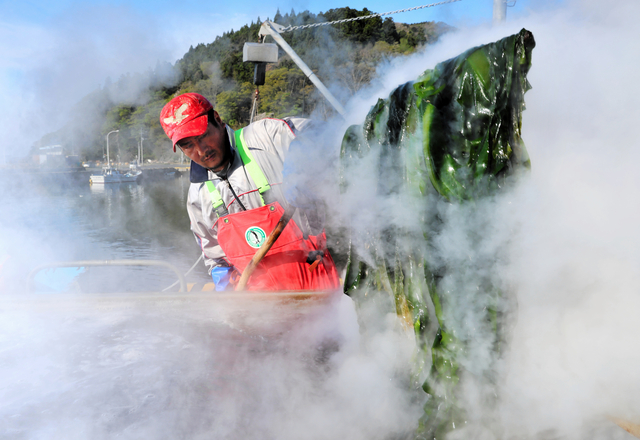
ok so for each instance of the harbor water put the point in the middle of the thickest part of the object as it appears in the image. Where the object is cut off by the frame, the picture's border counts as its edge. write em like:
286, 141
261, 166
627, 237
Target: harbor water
46, 221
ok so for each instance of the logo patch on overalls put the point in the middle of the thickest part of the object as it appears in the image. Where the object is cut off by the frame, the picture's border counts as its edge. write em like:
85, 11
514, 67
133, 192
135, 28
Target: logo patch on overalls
255, 236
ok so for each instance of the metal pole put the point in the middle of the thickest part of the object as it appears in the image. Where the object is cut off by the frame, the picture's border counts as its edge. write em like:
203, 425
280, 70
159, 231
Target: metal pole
140, 154
499, 11
87, 263
114, 131
268, 28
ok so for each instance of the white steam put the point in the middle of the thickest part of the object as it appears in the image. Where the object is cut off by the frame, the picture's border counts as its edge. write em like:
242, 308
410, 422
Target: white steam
197, 366
56, 64
565, 240
575, 255
66, 51
566, 243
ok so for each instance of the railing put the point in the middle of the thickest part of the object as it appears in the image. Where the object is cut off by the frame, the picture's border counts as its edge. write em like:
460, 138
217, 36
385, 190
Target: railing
93, 263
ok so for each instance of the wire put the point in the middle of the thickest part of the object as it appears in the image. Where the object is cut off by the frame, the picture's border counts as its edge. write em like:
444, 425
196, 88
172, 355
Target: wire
188, 272
326, 23
254, 107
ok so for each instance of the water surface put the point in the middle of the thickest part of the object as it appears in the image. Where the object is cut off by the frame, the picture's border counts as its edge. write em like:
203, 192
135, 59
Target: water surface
44, 222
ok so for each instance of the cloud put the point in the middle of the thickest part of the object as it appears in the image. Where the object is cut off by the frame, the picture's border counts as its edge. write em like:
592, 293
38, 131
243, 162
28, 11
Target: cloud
55, 64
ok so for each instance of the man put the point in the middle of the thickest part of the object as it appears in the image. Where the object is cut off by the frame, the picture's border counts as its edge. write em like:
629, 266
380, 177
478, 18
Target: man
236, 199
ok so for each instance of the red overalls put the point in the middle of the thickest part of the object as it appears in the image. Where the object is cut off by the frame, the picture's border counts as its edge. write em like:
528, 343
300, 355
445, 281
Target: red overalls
285, 266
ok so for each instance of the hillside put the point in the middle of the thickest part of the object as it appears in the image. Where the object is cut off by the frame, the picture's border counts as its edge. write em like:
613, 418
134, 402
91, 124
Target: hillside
344, 56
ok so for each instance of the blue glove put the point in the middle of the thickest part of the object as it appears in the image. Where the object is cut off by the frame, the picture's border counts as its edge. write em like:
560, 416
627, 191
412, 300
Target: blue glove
221, 276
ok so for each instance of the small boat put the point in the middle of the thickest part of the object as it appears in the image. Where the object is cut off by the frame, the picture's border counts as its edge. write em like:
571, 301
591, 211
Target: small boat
131, 176
112, 175
109, 175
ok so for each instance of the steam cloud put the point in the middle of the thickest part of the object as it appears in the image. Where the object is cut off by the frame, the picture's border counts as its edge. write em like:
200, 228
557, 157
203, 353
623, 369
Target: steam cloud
567, 244
568, 232
197, 366
564, 240
574, 257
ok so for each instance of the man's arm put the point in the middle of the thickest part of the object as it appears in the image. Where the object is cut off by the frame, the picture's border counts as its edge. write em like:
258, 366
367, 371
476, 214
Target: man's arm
309, 172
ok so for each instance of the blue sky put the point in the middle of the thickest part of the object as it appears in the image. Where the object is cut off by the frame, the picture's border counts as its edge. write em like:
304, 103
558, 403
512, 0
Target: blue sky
192, 22
55, 52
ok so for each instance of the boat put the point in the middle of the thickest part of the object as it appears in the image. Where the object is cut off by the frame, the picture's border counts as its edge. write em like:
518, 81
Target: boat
109, 175
132, 176
113, 175
252, 312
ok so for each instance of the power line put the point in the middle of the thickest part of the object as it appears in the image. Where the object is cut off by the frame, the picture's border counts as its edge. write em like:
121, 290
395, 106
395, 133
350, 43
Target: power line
326, 23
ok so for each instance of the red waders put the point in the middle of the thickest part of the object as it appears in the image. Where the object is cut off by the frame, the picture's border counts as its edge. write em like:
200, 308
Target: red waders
285, 266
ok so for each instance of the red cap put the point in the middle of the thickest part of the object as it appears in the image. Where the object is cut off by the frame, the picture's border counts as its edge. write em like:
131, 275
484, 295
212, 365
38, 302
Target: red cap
185, 116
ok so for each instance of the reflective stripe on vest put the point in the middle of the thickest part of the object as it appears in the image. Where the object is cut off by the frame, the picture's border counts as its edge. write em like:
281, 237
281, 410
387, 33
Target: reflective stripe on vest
252, 168
251, 165
216, 199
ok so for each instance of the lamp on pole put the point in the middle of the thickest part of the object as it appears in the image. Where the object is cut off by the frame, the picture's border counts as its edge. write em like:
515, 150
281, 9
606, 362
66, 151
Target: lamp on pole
499, 11
114, 131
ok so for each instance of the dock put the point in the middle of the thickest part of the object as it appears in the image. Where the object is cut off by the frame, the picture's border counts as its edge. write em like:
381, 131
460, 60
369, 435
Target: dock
80, 176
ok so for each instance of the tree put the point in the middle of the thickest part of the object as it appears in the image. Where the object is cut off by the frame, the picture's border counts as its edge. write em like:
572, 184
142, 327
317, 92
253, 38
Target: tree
285, 93
234, 107
347, 53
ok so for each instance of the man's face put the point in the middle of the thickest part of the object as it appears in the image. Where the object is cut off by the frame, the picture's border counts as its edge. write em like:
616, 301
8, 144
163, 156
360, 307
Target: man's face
210, 149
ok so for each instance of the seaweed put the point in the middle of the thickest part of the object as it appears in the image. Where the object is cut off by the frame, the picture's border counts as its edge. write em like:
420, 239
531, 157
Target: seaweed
452, 136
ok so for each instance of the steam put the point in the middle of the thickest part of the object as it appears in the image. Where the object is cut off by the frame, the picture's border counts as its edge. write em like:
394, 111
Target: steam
574, 255
51, 62
564, 241
197, 366
56, 65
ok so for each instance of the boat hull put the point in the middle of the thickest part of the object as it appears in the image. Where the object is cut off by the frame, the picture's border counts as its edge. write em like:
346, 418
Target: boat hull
131, 177
114, 176
99, 178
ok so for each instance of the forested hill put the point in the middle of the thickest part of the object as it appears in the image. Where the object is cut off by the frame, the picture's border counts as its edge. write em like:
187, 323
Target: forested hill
344, 56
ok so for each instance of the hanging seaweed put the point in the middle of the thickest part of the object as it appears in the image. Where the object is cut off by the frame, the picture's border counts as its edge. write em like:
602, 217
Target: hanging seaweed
453, 136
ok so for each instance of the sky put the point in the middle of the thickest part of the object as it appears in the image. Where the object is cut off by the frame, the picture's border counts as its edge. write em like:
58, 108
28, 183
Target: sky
55, 52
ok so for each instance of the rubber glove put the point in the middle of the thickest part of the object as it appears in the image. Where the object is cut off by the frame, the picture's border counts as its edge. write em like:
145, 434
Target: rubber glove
223, 277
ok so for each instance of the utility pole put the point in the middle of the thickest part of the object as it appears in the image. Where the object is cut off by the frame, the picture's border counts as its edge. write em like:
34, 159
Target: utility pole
140, 150
499, 11
114, 131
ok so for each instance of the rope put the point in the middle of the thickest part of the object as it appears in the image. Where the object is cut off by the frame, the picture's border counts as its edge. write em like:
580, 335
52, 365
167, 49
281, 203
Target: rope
326, 23
254, 107
188, 272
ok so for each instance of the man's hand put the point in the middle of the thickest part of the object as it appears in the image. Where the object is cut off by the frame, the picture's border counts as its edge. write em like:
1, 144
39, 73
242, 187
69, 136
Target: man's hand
225, 277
